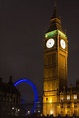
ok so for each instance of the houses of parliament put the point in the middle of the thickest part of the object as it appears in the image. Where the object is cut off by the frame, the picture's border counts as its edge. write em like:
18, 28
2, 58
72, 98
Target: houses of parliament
58, 98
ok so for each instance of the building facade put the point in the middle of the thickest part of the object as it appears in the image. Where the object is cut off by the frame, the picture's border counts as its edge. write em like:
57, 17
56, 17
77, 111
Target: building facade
10, 98
57, 97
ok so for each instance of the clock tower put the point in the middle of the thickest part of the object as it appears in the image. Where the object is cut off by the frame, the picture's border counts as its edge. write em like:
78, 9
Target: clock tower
55, 64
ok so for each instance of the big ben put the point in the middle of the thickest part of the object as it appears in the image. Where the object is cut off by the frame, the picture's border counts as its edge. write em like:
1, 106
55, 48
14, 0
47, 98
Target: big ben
55, 64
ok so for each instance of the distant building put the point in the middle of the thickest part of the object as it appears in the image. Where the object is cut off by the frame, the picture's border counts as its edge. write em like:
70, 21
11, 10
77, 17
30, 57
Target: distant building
10, 98
57, 97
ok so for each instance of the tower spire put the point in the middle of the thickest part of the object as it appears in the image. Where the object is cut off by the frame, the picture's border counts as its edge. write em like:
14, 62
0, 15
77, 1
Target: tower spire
55, 15
55, 21
55, 3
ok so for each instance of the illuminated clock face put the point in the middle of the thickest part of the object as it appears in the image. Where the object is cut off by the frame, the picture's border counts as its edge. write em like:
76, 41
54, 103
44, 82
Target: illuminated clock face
50, 43
62, 43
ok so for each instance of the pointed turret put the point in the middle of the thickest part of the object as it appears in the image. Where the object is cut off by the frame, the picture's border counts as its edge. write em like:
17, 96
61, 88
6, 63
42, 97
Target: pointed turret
10, 81
55, 21
55, 14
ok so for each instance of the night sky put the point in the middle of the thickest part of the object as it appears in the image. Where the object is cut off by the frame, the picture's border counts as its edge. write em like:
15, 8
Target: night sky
22, 27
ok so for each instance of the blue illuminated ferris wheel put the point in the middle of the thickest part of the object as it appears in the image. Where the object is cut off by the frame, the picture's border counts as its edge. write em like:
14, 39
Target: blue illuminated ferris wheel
24, 80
